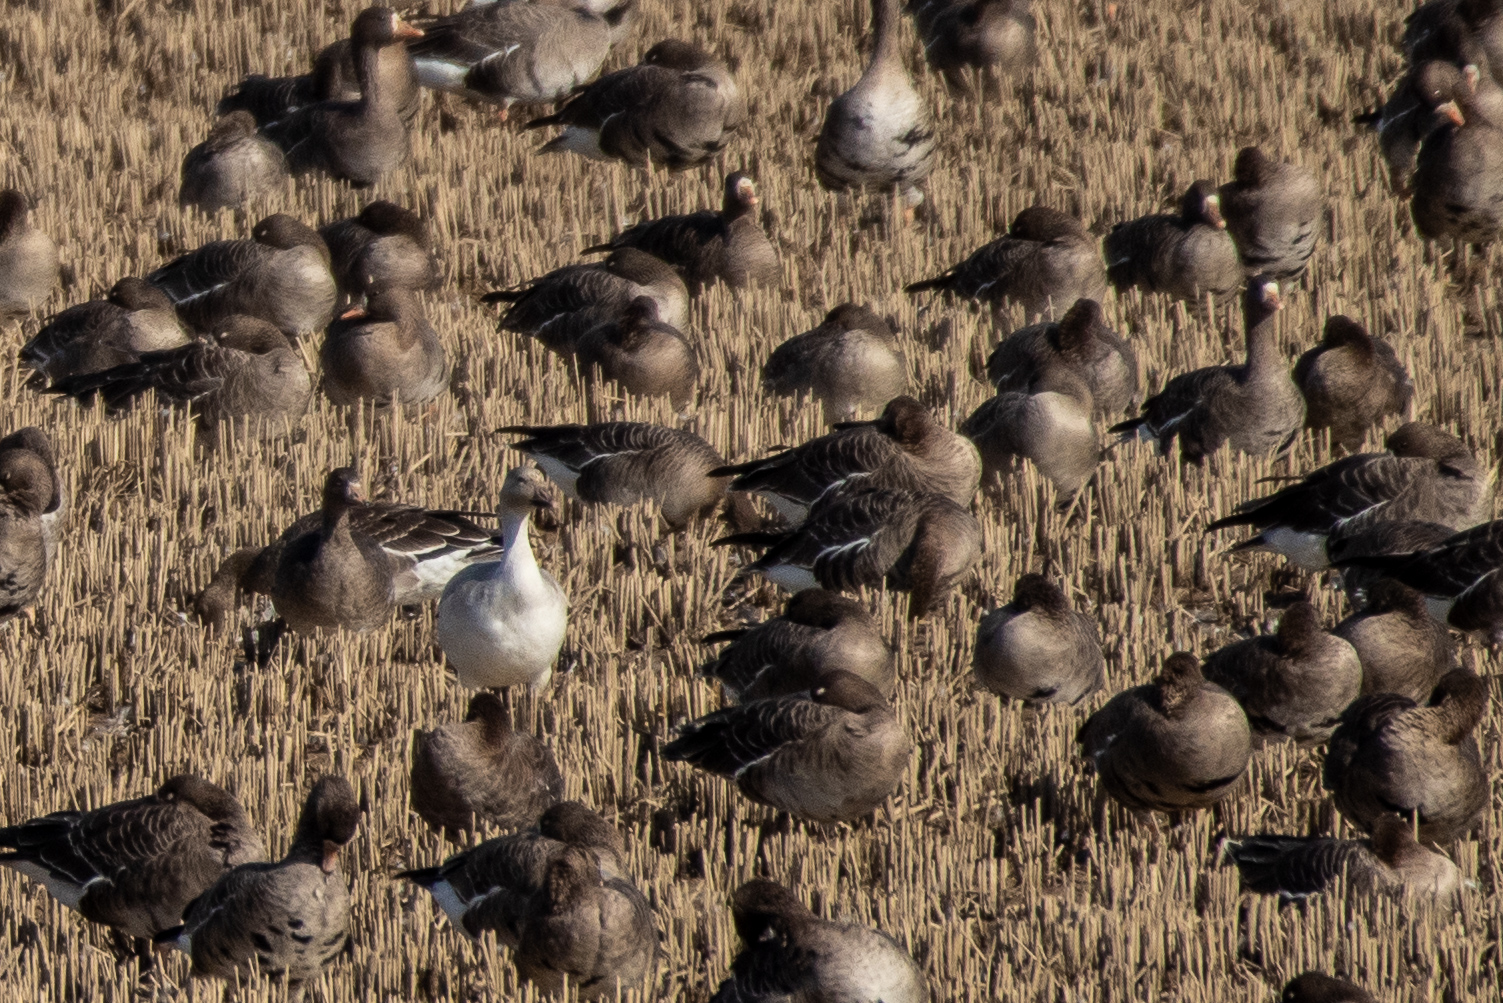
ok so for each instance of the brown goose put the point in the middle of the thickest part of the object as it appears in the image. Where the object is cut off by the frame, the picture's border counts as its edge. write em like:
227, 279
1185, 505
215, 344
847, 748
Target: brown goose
32, 491
850, 361
234, 165
384, 247
833, 754
1037, 648
638, 351
1314, 987
1458, 178
384, 352
904, 448
281, 275
1081, 342
136, 865
625, 462
1274, 212
788, 953
1177, 744
728, 245
28, 258
133, 318
989, 37
1293, 683
1351, 382
1048, 424
288, 918
1453, 29
1255, 406
359, 141
880, 133
678, 108
481, 772
1186, 255
565, 303
1046, 262
858, 535
819, 632
1419, 760
1403, 649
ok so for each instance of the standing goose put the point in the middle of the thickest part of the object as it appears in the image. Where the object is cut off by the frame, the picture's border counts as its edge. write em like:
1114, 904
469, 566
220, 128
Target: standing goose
281, 275
288, 918
990, 37
384, 352
1315, 987
565, 303
1403, 649
626, 462
728, 245
133, 318
904, 448
1419, 760
879, 134
1254, 406
1037, 648
28, 258
480, 772
678, 108
1458, 180
136, 865
234, 165
1048, 423
1186, 255
384, 247
788, 953
359, 141
502, 623
833, 754
645, 356
819, 632
32, 446
1081, 342
1273, 212
1046, 262
1177, 744
1351, 381
851, 360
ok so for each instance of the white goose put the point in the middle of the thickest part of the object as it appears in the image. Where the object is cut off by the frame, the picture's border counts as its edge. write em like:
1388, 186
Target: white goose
502, 623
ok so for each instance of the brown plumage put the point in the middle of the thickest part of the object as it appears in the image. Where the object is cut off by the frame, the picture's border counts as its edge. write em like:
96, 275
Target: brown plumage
29, 463
384, 352
990, 38
1403, 649
1081, 342
1351, 382
1378, 540
384, 247
645, 356
1458, 179
851, 360
1037, 648
133, 318
1274, 212
234, 165
1314, 987
1048, 423
28, 258
1186, 255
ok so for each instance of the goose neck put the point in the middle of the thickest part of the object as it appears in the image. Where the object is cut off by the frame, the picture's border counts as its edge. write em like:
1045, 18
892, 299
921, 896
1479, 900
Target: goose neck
1262, 349
516, 548
368, 71
885, 30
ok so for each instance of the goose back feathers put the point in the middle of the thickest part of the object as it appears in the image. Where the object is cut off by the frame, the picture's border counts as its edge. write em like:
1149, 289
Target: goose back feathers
384, 247
133, 318
1403, 649
993, 37
1351, 381
28, 258
33, 507
1186, 255
234, 165
850, 361
559, 307
1037, 648
1273, 212
1048, 423
1081, 342
384, 352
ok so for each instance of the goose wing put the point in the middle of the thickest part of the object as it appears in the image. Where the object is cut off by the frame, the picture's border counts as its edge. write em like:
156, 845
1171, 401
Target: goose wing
728, 741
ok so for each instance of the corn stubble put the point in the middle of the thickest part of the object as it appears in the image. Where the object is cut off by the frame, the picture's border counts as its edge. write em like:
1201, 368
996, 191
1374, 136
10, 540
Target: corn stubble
987, 865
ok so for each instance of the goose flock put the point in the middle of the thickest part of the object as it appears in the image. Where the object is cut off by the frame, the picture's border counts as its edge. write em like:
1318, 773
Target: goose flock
896, 501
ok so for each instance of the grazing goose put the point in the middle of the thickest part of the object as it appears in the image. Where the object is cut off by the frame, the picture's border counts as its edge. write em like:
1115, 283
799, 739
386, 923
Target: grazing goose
645, 356
1048, 423
1254, 406
880, 133
832, 754
627, 462
281, 275
819, 632
234, 165
565, 303
1458, 178
502, 623
1186, 256
1274, 212
904, 448
678, 108
1380, 539
1037, 648
384, 247
991, 37
852, 360
788, 953
728, 245
288, 918
359, 141
1293, 683
1351, 382
384, 352
1046, 262
31, 446
504, 53
133, 318
1081, 342
1426, 474
560, 897
1390, 862
859, 535
1403, 649
28, 258
1419, 760
481, 772
1176, 744
1314, 987
136, 865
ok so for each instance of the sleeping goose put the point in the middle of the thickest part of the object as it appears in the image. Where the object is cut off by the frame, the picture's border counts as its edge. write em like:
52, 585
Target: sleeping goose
851, 360
385, 246
133, 318
31, 489
501, 623
1413, 111
1351, 381
640, 353
136, 865
1038, 648
989, 37
1273, 212
1458, 177
625, 462
384, 352
1047, 423
28, 258
1186, 255
563, 304
678, 108
26, 491
1403, 649
902, 448
880, 133
1081, 342
234, 165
